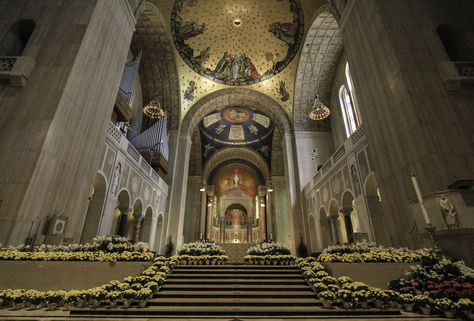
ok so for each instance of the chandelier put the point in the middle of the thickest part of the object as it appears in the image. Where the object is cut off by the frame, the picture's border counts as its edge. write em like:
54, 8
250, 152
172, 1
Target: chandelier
154, 109
319, 111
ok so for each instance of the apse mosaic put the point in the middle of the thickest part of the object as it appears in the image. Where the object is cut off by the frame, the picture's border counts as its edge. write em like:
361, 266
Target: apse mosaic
236, 126
237, 42
236, 176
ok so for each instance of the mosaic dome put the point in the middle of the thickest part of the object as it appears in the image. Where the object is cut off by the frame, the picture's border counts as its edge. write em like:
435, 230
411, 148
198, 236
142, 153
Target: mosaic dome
237, 42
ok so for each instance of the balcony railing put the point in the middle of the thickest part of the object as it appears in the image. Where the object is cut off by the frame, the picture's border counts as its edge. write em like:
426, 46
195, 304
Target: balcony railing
17, 69
117, 139
354, 141
455, 74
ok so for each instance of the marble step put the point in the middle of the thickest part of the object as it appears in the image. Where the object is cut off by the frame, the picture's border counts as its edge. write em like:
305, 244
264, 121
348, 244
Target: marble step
254, 301
195, 281
261, 276
238, 266
236, 271
235, 294
234, 287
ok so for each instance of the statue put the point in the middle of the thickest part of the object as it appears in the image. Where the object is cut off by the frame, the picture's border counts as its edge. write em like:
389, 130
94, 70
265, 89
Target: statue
116, 179
449, 213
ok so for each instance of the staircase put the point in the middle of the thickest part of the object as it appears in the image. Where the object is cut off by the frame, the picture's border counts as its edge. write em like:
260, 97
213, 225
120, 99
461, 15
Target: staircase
234, 291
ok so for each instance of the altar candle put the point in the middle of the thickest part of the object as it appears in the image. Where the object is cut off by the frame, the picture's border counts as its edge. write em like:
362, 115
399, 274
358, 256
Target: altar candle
420, 199
200, 236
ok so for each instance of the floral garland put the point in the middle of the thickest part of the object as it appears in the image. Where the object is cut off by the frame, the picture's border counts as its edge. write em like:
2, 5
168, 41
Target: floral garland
363, 252
266, 248
130, 290
202, 259
205, 247
269, 259
100, 256
343, 291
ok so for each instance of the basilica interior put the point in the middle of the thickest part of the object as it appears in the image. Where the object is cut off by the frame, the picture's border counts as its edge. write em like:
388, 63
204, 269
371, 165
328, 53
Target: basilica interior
310, 123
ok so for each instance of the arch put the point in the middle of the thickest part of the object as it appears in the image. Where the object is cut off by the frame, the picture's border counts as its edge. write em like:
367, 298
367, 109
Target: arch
121, 213
95, 208
325, 227
317, 67
375, 210
15, 40
236, 153
158, 68
159, 232
145, 226
235, 96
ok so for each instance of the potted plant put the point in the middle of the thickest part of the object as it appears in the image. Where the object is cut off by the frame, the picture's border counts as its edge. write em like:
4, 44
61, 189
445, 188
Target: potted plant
319, 287
112, 297
406, 300
447, 307
423, 303
466, 306
345, 297
327, 298
379, 297
142, 296
393, 298
360, 298
128, 296
53, 299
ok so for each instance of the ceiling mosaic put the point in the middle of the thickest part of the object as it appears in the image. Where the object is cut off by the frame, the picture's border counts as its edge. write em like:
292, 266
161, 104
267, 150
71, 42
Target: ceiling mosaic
236, 126
237, 42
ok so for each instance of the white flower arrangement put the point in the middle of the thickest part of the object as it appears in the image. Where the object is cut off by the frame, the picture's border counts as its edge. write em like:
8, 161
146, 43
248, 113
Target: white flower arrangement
201, 248
268, 248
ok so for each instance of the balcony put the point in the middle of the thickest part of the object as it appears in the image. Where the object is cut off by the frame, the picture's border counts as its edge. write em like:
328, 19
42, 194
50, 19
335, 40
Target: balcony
456, 74
16, 69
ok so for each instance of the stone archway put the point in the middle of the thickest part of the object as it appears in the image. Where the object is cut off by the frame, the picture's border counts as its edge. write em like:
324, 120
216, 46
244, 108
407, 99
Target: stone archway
325, 226
95, 209
145, 226
316, 69
120, 215
181, 156
158, 68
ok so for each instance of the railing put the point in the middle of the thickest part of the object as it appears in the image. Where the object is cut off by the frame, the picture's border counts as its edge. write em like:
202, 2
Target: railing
7, 63
465, 69
117, 139
357, 138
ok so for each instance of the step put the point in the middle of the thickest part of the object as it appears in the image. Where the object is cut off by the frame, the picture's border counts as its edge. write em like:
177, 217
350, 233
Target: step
238, 266
234, 287
236, 281
235, 293
213, 311
262, 301
178, 275
234, 271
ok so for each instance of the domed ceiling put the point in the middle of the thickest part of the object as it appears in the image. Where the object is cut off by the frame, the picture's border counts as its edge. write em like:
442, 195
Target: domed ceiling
237, 42
236, 126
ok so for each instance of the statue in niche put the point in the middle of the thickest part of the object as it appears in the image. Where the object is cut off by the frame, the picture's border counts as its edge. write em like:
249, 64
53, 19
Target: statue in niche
116, 179
355, 181
449, 213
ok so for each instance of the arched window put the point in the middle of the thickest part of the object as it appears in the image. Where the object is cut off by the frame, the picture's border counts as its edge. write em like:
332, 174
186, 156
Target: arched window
349, 105
16, 39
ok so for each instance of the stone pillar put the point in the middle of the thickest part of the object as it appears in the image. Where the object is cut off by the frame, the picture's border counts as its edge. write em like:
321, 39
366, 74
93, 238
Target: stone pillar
122, 221
136, 228
222, 229
249, 229
204, 222
335, 236
49, 162
263, 212
151, 240
346, 212
269, 207
295, 220
177, 197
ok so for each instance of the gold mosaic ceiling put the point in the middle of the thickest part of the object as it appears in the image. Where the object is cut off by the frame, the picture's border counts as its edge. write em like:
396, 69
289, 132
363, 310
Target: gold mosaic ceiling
237, 42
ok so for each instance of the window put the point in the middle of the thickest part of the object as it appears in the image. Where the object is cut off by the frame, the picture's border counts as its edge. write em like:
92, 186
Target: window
347, 100
16, 39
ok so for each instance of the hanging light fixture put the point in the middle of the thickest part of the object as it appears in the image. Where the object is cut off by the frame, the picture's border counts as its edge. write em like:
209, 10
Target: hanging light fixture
154, 109
319, 111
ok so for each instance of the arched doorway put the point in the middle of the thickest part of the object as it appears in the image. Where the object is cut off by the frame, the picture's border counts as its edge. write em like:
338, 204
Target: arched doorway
145, 226
121, 213
325, 225
95, 209
236, 224
134, 221
350, 216
374, 204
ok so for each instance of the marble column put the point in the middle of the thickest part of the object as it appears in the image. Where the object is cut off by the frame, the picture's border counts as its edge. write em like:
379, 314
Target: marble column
151, 240
179, 157
346, 212
335, 236
138, 218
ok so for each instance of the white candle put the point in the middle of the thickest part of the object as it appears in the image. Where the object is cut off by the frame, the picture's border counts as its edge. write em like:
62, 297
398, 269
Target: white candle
200, 236
420, 199
271, 236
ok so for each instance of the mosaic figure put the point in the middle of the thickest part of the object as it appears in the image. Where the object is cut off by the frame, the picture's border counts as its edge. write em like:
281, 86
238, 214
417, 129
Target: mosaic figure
282, 91
189, 92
